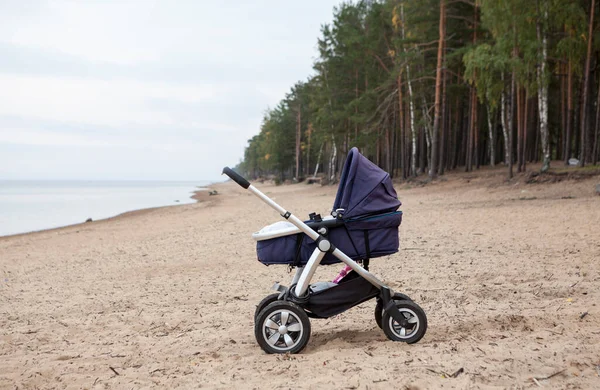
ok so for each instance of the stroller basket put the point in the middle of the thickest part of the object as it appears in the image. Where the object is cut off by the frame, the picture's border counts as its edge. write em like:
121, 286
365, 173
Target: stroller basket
360, 238
351, 291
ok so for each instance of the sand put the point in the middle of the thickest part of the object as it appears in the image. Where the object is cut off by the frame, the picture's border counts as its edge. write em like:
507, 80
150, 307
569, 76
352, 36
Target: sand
165, 297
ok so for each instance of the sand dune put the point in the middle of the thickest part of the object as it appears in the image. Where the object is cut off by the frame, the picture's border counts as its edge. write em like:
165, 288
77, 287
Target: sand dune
165, 297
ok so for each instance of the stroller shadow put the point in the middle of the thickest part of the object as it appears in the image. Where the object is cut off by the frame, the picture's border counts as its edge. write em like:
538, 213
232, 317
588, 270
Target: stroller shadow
335, 339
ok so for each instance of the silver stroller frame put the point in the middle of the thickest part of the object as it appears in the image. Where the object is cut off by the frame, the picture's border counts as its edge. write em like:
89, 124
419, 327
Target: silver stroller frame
390, 304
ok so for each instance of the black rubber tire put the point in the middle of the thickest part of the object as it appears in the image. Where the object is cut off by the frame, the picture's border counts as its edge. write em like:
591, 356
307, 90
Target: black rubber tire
266, 301
415, 311
270, 312
379, 306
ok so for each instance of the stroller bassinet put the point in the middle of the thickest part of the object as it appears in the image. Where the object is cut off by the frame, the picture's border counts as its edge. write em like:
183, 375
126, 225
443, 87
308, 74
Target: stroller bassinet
364, 222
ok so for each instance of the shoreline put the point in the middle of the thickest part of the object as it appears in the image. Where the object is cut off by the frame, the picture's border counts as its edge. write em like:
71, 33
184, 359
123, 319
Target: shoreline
199, 195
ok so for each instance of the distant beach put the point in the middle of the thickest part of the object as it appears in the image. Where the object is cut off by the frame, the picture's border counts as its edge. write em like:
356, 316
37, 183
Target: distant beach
32, 205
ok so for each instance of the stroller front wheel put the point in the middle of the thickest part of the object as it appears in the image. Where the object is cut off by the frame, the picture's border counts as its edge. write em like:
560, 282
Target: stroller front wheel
282, 327
379, 307
266, 301
412, 329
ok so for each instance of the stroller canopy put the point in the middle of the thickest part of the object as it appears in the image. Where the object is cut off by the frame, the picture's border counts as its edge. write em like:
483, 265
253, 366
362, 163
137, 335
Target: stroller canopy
364, 188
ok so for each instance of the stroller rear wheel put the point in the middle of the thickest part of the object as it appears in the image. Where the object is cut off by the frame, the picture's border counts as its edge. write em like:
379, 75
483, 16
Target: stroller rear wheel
379, 306
411, 329
282, 327
264, 303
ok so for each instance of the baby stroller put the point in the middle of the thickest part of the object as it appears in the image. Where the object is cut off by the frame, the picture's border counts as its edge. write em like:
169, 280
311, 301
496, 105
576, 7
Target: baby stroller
363, 225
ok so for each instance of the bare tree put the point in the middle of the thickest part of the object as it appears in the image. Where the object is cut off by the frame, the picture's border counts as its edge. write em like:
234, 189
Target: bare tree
543, 87
298, 139
586, 76
411, 106
438, 91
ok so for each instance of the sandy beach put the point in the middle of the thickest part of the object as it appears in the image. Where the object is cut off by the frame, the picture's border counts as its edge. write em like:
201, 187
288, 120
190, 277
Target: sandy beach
508, 274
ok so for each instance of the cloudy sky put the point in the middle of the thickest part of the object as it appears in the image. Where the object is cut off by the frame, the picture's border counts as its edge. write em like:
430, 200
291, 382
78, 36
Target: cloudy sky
142, 89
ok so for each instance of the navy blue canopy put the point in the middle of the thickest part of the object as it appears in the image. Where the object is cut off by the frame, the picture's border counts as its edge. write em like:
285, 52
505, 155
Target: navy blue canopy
364, 188
370, 219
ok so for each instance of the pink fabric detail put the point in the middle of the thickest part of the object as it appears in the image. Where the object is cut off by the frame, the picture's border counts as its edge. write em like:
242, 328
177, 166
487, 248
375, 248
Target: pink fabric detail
341, 275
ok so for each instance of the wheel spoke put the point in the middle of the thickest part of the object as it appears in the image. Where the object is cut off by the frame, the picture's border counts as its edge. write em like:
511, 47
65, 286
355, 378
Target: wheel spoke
402, 332
271, 324
284, 317
413, 320
295, 327
274, 338
288, 340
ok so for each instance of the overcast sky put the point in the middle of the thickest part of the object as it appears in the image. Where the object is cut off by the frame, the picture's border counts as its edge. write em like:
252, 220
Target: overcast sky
124, 89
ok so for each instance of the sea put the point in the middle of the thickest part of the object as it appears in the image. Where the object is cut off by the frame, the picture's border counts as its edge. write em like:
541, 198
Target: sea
31, 205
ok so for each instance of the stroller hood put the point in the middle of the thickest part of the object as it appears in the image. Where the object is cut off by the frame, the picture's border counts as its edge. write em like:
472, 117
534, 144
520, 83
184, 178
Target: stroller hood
364, 188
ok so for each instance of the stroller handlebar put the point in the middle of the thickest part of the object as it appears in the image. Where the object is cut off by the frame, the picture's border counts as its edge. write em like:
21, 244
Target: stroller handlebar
236, 177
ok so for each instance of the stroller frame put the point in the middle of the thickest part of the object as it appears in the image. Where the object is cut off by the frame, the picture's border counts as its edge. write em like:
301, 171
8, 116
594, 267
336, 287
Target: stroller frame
395, 312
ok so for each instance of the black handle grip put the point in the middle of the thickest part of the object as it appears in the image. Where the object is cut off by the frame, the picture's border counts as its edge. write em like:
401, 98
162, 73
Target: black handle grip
236, 177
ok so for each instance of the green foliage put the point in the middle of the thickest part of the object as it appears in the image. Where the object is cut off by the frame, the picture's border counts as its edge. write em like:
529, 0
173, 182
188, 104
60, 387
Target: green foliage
353, 96
483, 68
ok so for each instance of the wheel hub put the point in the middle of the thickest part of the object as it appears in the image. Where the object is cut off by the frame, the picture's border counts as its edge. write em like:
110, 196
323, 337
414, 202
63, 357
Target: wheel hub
406, 327
282, 330
282, 327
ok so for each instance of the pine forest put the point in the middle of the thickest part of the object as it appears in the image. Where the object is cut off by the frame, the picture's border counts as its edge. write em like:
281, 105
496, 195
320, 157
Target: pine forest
422, 87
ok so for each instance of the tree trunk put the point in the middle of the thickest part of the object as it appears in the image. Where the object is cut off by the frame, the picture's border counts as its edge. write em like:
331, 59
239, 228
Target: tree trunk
496, 144
455, 134
413, 131
443, 123
396, 143
510, 126
438, 92
591, 115
503, 118
492, 138
586, 75
401, 120
407, 142
428, 129
422, 151
411, 111
465, 132
334, 148
577, 118
308, 136
298, 139
332, 165
562, 116
318, 160
543, 89
356, 106
535, 153
474, 149
525, 129
476, 130
387, 151
595, 149
519, 129
513, 92
470, 131
567, 152
377, 162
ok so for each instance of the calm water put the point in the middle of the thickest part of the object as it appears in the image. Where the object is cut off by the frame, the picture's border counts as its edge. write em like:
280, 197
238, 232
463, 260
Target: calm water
34, 205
